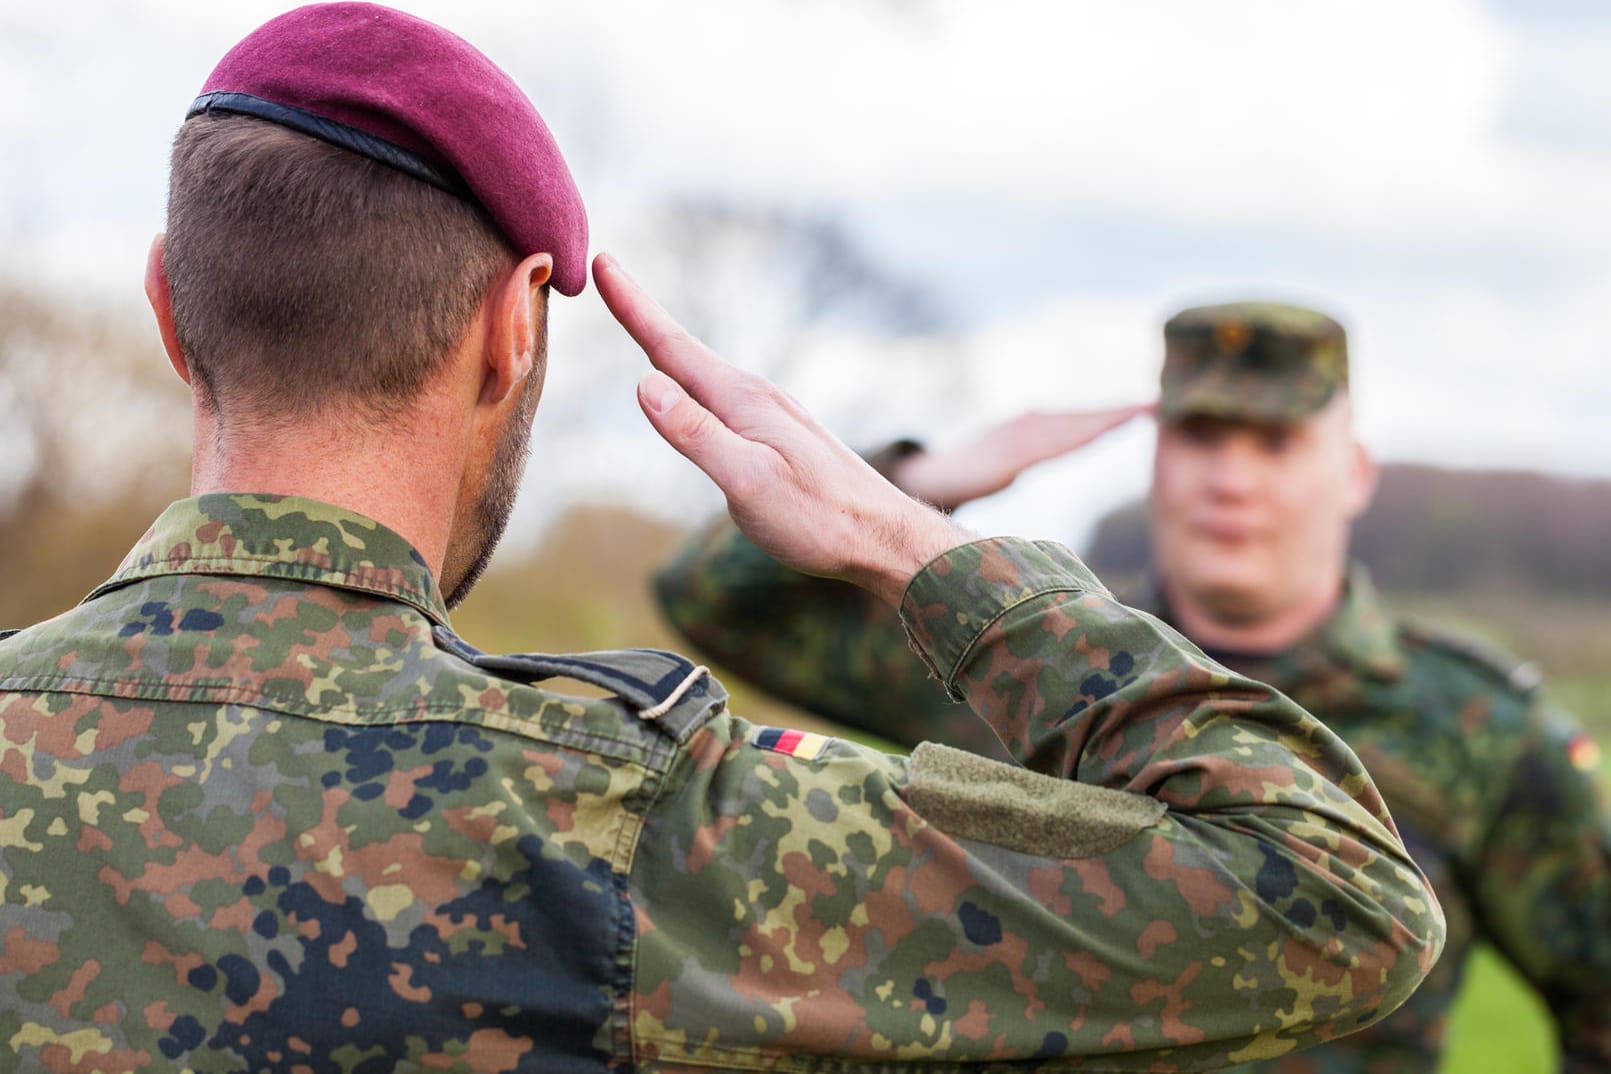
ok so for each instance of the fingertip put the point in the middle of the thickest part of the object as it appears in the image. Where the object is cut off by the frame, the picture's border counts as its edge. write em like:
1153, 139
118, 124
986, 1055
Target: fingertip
659, 393
605, 262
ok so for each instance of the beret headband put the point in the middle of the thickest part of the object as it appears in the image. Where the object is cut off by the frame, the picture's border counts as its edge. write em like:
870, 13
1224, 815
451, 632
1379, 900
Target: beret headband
407, 93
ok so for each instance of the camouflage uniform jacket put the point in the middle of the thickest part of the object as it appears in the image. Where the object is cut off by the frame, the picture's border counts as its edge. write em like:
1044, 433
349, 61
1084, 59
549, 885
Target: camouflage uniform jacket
261, 810
1488, 785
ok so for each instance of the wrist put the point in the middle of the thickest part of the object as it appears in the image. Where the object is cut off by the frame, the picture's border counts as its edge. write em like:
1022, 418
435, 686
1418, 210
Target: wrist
914, 474
910, 543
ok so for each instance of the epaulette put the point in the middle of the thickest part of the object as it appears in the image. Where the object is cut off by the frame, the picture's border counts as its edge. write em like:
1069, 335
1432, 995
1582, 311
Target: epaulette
1521, 676
663, 688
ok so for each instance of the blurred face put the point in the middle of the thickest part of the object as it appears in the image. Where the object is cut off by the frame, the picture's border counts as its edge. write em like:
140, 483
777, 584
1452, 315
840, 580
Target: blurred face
1251, 521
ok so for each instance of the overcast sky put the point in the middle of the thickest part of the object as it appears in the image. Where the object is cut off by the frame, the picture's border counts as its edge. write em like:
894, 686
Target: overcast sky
1054, 177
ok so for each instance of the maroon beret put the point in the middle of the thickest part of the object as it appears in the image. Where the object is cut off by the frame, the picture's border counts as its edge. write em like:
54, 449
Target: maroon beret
412, 95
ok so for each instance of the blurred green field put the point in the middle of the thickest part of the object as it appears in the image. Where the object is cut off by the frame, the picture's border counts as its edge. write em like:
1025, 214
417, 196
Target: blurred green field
1499, 1026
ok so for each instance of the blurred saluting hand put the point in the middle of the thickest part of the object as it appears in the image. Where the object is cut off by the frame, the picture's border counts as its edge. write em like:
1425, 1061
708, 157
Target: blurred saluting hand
950, 477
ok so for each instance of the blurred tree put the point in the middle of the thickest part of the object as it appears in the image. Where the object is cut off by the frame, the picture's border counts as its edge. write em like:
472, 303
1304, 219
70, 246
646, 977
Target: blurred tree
1442, 530
817, 274
789, 293
781, 289
1434, 530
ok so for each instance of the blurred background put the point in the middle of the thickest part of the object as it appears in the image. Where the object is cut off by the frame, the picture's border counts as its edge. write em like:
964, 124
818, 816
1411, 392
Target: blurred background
922, 217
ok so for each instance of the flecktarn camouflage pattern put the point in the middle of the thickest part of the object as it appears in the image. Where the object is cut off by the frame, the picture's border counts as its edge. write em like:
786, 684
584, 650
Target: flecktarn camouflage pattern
1495, 793
1251, 361
1498, 797
260, 809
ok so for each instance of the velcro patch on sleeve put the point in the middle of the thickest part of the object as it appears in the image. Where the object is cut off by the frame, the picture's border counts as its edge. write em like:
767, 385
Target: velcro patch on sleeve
978, 798
806, 745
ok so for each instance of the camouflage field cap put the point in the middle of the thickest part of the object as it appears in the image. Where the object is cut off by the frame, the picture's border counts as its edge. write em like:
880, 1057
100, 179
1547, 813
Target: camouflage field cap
1254, 361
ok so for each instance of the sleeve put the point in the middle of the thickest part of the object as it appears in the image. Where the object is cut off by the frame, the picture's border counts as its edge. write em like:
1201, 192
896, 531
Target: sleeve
1543, 884
1191, 872
826, 646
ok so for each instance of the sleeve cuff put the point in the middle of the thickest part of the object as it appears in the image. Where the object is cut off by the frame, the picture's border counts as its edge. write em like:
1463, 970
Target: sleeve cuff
951, 602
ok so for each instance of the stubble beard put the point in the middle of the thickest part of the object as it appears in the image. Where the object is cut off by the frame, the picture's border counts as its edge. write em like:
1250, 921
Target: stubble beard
497, 500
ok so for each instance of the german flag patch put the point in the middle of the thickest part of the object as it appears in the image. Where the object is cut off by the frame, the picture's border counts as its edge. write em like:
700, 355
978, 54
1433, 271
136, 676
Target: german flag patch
806, 745
1584, 753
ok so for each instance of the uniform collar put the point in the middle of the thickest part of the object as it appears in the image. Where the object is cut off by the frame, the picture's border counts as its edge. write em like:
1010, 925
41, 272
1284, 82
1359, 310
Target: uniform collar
1360, 636
260, 536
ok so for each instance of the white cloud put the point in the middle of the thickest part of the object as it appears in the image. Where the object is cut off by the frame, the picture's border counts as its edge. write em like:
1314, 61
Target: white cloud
1363, 119
1465, 378
1327, 115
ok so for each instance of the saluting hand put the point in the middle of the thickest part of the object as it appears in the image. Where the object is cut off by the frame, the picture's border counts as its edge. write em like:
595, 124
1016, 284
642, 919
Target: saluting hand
792, 487
950, 477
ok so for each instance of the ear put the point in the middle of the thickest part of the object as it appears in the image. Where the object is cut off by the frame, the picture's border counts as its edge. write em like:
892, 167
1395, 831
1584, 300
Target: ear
1362, 475
156, 292
513, 326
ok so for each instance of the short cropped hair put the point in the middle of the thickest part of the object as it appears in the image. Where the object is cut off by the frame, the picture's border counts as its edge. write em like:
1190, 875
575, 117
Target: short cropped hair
304, 275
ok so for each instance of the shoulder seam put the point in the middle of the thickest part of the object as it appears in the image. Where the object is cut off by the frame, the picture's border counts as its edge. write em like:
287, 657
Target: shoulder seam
627, 749
1521, 676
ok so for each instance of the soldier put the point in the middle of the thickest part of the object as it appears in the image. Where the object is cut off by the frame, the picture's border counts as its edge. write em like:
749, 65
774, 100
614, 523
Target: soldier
261, 809
1257, 477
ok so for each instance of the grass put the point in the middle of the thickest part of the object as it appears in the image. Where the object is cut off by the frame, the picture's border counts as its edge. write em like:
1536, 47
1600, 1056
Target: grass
1499, 1025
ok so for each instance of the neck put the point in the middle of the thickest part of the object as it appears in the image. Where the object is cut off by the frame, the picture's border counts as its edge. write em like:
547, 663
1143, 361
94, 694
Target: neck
1265, 635
405, 477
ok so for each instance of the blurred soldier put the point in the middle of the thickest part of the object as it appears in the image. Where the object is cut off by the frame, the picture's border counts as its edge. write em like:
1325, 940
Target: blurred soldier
260, 808
1257, 478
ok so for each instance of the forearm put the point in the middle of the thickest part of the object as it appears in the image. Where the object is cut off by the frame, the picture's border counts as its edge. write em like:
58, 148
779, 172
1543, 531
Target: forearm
1274, 822
824, 645
1230, 902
